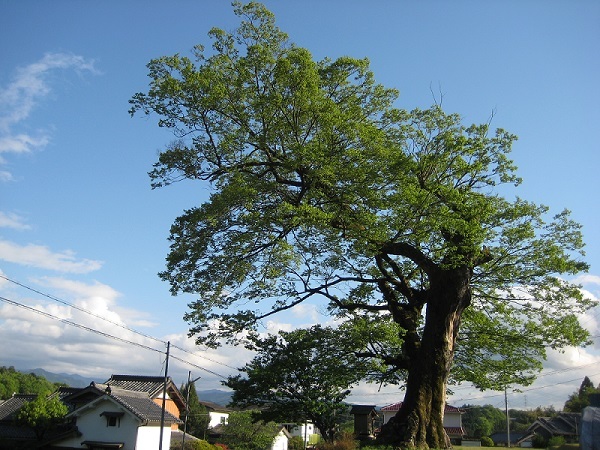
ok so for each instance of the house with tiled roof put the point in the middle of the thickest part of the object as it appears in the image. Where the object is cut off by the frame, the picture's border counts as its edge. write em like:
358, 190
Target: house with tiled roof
564, 424
153, 386
110, 417
452, 420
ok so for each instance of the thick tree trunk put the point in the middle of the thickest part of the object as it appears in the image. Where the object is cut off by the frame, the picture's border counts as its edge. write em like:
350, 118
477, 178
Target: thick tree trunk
419, 423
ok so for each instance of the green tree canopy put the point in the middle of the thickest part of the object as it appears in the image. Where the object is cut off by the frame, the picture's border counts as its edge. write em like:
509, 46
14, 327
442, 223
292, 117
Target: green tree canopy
42, 414
14, 382
244, 432
323, 190
578, 400
482, 421
300, 375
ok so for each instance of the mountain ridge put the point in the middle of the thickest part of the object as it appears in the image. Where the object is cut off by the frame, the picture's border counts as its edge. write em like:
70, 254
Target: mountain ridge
216, 396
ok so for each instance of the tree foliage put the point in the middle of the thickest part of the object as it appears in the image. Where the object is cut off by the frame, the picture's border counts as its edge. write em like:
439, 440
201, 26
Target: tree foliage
197, 415
482, 421
42, 414
192, 445
322, 189
244, 432
578, 400
14, 382
300, 375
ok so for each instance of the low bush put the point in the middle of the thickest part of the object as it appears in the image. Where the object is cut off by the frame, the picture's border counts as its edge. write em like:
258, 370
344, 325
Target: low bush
486, 441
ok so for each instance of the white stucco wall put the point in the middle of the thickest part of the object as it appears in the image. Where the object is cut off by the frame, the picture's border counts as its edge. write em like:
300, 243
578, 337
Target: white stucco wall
280, 442
303, 431
452, 419
216, 418
149, 436
130, 430
93, 427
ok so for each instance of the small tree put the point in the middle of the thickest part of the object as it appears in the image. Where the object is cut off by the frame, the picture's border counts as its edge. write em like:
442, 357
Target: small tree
197, 414
580, 399
243, 432
299, 375
487, 441
42, 414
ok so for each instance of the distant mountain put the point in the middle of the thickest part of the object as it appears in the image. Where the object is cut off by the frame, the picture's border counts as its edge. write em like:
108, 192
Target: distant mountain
69, 379
215, 396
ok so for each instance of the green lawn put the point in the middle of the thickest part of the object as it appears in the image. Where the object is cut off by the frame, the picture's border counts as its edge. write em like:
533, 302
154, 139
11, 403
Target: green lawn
562, 447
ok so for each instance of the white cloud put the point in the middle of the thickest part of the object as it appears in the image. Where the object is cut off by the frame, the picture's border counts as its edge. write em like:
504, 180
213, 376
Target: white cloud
22, 143
40, 256
587, 279
12, 220
20, 97
57, 337
308, 312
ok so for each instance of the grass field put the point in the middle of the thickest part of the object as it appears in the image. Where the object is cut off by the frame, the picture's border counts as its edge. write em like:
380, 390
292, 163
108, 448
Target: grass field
562, 447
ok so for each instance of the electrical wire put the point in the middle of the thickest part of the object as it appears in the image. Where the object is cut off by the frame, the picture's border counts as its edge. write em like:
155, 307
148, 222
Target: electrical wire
189, 363
77, 325
103, 334
120, 325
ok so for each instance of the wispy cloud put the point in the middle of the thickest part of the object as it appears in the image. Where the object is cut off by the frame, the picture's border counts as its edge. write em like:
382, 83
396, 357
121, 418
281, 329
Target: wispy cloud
20, 97
42, 257
12, 220
588, 279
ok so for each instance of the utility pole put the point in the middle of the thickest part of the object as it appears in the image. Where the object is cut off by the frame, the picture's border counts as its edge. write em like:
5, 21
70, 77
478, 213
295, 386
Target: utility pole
507, 418
164, 398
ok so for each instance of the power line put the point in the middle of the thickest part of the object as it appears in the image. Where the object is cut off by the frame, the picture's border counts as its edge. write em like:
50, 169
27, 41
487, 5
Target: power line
102, 333
75, 324
120, 325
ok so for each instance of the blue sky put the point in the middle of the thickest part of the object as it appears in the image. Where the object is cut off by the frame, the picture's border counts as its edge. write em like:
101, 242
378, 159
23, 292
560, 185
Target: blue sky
79, 222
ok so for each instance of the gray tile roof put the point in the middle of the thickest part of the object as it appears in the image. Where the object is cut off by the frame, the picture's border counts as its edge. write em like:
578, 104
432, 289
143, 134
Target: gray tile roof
149, 384
138, 403
153, 385
9, 408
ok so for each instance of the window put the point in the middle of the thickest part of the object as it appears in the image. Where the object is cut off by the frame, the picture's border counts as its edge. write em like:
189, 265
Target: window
113, 418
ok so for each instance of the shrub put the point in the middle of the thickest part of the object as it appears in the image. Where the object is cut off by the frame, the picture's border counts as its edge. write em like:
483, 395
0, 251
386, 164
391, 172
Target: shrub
556, 441
345, 441
192, 445
296, 443
486, 441
539, 441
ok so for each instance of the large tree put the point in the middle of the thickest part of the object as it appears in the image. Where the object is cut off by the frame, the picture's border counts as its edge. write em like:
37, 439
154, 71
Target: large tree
397, 220
299, 375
